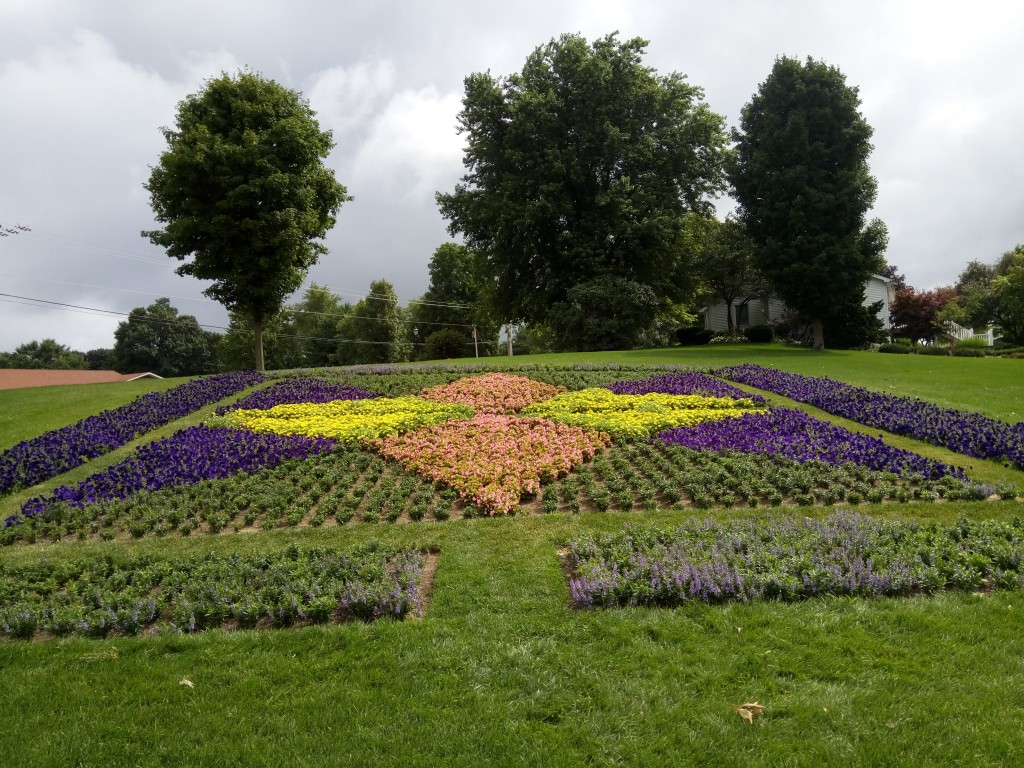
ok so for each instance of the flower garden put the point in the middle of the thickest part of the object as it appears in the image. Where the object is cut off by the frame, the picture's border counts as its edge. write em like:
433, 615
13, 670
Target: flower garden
418, 445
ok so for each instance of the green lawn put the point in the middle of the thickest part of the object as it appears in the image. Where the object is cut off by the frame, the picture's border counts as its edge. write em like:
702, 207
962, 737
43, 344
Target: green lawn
26, 413
502, 671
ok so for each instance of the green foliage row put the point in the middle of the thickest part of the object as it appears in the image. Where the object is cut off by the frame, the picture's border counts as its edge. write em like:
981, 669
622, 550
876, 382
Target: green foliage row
352, 485
98, 596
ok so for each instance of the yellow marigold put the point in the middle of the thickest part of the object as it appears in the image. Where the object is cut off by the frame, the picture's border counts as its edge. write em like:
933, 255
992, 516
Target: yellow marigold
632, 417
347, 420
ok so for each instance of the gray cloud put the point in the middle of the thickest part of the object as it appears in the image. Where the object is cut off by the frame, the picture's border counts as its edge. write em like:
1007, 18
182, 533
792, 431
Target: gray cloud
86, 86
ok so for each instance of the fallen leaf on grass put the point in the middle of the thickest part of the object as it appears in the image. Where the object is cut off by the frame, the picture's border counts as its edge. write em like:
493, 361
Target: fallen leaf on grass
750, 710
186, 681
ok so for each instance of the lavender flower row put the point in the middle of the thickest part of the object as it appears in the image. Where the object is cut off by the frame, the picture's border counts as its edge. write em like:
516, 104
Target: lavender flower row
801, 437
186, 457
971, 434
51, 454
301, 390
683, 383
294, 586
787, 558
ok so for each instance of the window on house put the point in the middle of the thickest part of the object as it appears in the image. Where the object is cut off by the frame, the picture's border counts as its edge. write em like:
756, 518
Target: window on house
742, 315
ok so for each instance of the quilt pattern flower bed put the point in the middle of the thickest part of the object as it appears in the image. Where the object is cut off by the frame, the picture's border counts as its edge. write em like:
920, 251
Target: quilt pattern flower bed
309, 451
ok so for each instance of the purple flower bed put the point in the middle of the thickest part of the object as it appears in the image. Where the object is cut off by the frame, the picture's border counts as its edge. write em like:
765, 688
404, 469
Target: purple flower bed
33, 461
790, 558
971, 434
685, 383
801, 437
188, 456
297, 391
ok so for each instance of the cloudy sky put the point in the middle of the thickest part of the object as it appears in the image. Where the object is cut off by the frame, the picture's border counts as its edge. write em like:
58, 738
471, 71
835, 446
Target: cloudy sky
86, 85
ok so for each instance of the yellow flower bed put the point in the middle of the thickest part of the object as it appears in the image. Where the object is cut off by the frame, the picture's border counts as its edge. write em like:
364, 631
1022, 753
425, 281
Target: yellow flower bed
347, 420
633, 417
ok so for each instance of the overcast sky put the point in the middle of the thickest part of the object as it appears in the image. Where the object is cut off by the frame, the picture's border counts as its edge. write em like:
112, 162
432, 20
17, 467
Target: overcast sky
85, 87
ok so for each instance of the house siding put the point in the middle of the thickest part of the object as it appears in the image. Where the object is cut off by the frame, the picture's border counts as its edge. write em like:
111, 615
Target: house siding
763, 311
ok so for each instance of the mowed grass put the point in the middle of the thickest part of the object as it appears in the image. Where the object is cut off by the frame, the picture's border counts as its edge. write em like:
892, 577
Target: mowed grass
503, 671
28, 413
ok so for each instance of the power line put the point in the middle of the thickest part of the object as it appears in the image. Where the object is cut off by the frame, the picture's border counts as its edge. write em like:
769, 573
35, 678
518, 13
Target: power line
140, 256
63, 306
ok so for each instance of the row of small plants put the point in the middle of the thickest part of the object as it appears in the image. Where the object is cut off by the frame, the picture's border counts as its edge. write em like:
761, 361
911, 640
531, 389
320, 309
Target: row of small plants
184, 458
792, 558
58, 451
97, 597
351, 485
398, 380
971, 434
489, 461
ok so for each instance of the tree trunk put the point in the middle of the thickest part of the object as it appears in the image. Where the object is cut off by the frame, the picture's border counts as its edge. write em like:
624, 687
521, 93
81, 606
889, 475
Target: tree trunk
257, 343
819, 335
728, 316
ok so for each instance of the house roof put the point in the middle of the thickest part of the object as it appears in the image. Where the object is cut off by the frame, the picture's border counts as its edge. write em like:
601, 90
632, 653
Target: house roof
21, 378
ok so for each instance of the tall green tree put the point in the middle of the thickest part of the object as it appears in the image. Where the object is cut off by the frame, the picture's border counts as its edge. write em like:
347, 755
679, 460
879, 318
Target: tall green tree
242, 189
994, 295
308, 335
376, 331
457, 301
579, 169
804, 189
723, 263
46, 354
158, 339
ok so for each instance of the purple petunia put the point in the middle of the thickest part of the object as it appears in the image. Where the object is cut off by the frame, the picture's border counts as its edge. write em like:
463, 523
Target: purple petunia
33, 461
301, 390
801, 437
186, 457
971, 434
683, 383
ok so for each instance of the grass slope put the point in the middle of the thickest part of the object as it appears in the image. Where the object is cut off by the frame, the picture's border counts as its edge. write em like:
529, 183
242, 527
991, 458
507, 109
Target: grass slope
502, 671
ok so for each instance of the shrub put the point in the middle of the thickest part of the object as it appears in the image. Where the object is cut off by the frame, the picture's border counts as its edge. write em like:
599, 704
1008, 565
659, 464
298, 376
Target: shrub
895, 349
971, 343
968, 352
445, 344
933, 350
760, 334
692, 336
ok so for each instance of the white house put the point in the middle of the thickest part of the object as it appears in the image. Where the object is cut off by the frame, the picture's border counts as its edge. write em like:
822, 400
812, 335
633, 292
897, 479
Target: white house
767, 311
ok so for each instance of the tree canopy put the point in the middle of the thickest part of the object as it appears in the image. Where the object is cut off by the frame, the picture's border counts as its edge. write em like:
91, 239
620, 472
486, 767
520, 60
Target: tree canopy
157, 339
376, 330
801, 178
43, 354
243, 191
723, 262
457, 301
579, 169
994, 295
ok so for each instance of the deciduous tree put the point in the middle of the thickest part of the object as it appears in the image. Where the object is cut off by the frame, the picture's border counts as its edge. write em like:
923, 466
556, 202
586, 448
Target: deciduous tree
994, 294
43, 354
242, 189
723, 262
579, 169
803, 185
457, 300
156, 338
376, 331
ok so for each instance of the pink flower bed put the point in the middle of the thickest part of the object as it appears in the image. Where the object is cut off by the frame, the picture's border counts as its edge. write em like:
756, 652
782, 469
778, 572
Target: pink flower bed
493, 392
491, 460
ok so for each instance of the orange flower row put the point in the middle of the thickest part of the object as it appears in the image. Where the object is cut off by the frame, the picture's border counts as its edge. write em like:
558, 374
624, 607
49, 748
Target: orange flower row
493, 460
492, 392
